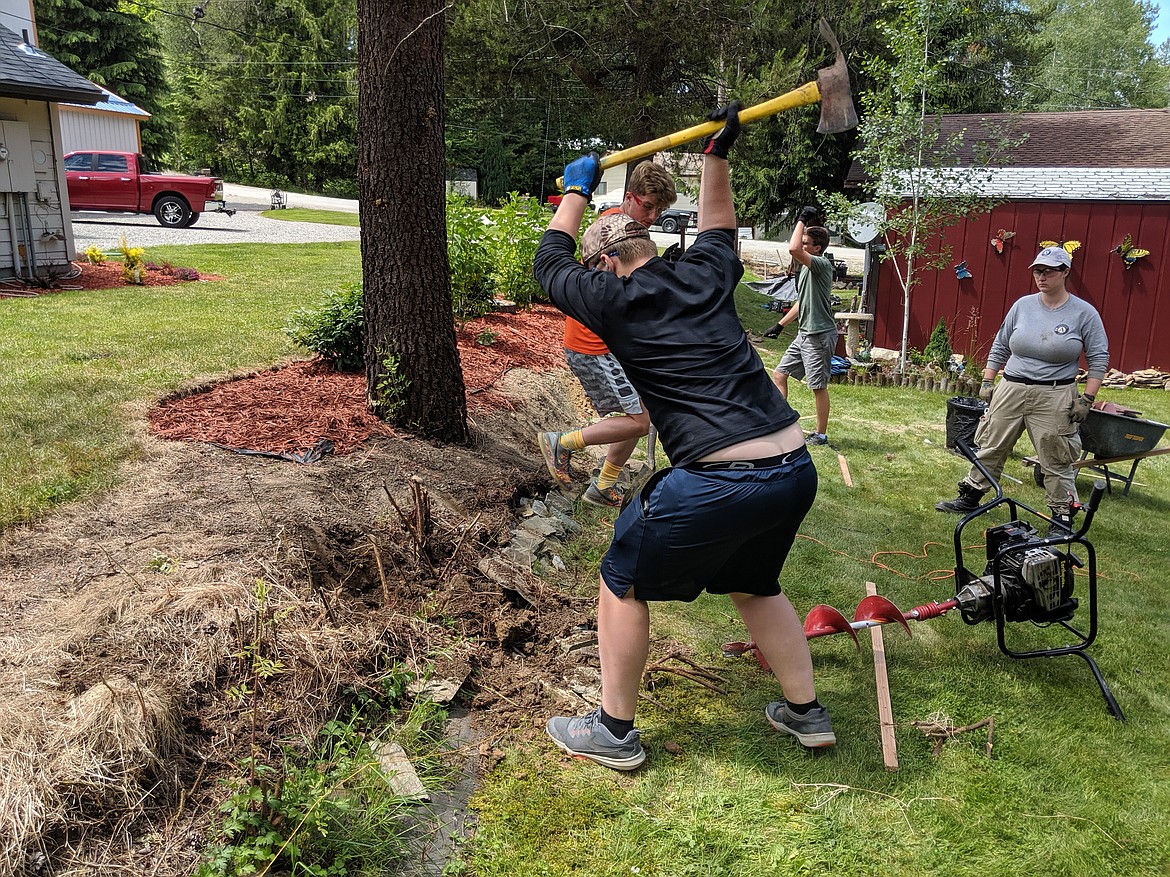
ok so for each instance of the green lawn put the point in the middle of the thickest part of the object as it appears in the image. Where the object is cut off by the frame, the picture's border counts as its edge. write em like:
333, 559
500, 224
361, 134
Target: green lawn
1068, 791
304, 214
73, 364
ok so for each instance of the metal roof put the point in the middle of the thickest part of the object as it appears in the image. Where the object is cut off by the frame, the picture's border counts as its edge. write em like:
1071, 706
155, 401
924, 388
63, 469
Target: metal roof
112, 103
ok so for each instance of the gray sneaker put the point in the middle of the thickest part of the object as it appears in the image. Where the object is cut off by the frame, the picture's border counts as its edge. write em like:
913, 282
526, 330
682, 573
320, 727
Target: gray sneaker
556, 457
816, 438
813, 729
607, 497
585, 737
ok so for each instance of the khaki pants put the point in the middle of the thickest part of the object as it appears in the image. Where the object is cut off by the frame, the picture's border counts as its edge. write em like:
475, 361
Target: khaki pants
1043, 411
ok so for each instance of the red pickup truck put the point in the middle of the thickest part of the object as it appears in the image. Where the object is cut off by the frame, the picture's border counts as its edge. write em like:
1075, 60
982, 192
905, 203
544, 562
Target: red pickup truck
123, 182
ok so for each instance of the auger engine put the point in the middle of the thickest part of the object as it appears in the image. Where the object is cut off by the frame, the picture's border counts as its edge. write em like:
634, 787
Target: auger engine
1026, 578
1036, 582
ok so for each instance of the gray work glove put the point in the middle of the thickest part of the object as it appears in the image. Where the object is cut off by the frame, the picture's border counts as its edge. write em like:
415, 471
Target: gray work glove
986, 389
1081, 407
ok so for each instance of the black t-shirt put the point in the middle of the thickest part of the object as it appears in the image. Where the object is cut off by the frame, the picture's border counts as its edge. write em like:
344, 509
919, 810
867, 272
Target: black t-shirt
674, 329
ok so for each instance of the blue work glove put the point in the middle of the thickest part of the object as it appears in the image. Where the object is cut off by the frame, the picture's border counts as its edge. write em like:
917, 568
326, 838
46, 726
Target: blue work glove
720, 143
1081, 407
582, 175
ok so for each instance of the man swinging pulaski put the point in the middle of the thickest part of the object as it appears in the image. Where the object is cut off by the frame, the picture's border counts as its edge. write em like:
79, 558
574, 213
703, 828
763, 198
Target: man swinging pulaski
723, 517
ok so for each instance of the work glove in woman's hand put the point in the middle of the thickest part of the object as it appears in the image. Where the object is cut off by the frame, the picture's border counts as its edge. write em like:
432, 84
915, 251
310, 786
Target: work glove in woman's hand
1081, 407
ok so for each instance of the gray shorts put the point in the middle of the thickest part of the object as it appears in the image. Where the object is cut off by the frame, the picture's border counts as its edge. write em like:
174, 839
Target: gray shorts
605, 383
809, 357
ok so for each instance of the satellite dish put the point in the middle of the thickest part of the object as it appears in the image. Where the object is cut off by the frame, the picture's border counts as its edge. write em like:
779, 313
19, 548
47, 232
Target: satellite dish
865, 222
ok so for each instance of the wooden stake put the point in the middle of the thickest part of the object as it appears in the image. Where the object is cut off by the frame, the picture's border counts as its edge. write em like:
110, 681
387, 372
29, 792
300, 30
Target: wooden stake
845, 470
885, 708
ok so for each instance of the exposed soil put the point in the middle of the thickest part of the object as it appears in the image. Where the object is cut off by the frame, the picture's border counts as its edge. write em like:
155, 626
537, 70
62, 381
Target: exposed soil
127, 619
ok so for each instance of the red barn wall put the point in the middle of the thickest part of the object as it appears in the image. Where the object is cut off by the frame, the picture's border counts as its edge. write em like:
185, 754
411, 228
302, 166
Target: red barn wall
1133, 303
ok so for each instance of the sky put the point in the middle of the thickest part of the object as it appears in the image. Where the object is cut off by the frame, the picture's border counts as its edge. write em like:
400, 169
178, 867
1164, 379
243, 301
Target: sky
1161, 31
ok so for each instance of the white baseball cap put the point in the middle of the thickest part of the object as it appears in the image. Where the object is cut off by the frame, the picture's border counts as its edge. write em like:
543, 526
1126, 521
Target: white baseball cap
1053, 257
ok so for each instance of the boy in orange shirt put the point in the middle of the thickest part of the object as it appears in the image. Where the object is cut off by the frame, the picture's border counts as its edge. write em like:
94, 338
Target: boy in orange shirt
650, 191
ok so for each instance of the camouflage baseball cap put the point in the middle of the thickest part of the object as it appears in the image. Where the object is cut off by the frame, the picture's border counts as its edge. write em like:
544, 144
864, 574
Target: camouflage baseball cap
607, 231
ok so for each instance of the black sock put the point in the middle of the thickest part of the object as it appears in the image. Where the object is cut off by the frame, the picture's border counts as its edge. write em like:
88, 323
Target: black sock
800, 709
620, 728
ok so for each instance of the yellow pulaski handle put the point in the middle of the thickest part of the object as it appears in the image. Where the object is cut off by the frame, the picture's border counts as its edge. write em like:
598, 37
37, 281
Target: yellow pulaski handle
800, 97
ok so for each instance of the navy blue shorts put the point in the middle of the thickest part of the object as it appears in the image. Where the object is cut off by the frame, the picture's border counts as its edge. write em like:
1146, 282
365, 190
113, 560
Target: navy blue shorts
722, 531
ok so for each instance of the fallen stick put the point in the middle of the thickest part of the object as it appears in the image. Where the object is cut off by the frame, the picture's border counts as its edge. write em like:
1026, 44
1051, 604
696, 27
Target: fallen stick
845, 470
885, 708
941, 731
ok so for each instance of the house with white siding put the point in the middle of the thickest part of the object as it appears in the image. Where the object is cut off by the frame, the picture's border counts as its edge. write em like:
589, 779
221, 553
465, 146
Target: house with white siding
36, 235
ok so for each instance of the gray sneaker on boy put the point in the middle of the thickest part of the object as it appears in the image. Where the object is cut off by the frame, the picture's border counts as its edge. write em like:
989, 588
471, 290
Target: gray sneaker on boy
813, 729
585, 737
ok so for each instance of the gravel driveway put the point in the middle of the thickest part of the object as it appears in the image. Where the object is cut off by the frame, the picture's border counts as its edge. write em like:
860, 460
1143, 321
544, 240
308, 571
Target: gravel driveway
247, 226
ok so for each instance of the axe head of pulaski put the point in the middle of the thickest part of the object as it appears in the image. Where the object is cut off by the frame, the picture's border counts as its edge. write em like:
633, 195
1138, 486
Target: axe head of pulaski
837, 111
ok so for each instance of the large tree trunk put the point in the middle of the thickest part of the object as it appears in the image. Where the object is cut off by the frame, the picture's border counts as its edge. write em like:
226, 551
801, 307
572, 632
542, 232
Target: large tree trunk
412, 362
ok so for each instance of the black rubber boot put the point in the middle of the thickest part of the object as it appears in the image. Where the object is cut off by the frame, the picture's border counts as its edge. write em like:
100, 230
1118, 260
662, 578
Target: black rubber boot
1062, 524
967, 501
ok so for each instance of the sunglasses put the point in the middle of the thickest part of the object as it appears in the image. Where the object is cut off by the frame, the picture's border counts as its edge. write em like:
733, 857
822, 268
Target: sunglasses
647, 204
1044, 272
596, 260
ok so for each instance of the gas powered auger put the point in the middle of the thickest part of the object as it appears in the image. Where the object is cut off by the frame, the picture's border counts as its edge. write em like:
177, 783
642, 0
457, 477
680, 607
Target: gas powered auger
1027, 578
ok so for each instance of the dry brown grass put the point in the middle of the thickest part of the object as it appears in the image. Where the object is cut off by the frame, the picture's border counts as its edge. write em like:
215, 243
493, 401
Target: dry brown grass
126, 621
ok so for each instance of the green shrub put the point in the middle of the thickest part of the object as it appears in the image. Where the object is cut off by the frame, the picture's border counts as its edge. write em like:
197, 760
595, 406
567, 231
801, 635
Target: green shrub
518, 226
490, 254
938, 348
468, 251
335, 329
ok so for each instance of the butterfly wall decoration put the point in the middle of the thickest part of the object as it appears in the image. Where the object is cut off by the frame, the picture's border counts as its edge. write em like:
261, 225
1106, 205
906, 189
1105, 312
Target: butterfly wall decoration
1000, 236
1069, 247
962, 273
1128, 252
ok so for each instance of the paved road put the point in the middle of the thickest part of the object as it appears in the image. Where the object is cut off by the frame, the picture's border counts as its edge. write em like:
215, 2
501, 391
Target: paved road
247, 226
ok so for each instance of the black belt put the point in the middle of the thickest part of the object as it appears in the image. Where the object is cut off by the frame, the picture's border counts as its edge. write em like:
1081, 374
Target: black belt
1032, 383
762, 463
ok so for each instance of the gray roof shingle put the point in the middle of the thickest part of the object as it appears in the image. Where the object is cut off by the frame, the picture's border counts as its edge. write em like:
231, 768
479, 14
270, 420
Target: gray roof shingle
30, 74
1087, 138
1083, 155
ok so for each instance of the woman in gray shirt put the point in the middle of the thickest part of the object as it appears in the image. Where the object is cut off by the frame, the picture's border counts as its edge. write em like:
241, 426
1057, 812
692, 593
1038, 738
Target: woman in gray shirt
1039, 348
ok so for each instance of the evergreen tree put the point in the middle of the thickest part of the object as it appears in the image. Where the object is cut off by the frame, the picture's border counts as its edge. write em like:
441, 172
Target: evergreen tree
412, 361
113, 44
270, 89
1096, 54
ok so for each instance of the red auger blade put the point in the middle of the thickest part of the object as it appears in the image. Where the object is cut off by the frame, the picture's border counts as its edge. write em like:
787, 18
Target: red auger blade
824, 620
732, 650
878, 609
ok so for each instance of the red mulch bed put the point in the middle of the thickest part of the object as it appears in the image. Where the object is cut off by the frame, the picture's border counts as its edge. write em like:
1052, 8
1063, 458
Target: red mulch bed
290, 410
108, 275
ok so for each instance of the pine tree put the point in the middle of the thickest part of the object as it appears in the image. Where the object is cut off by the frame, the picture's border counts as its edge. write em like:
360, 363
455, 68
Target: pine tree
114, 46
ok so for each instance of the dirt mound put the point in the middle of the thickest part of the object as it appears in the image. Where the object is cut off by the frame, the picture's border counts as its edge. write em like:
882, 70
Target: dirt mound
129, 619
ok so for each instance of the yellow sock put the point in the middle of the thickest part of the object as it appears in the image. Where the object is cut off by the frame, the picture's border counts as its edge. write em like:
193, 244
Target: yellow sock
609, 475
573, 441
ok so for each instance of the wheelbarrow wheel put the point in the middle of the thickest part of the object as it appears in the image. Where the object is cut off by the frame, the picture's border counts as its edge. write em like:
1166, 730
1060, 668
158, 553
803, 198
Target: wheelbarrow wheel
1038, 474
